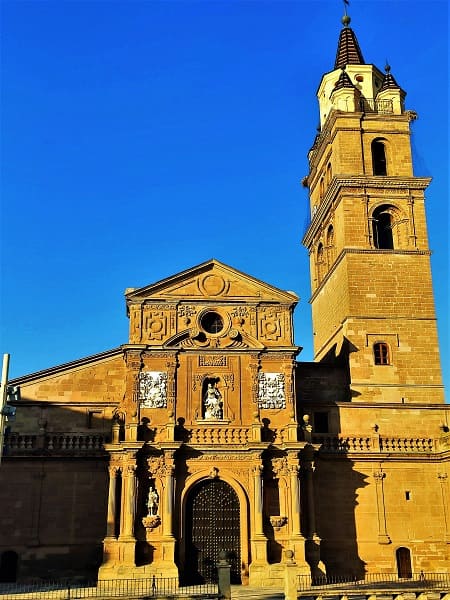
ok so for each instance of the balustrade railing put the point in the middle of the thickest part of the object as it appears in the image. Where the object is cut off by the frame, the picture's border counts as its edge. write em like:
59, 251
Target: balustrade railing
376, 106
220, 435
353, 443
25, 442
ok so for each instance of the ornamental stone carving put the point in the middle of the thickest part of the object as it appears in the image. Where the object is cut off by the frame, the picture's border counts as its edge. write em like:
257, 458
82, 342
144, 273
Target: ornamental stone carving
214, 360
278, 521
271, 392
153, 389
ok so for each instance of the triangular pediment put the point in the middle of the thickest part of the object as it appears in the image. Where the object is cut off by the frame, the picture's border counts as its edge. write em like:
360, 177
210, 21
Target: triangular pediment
208, 281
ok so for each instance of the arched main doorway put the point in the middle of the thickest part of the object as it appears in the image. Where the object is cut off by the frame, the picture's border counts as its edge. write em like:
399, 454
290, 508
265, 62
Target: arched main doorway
212, 525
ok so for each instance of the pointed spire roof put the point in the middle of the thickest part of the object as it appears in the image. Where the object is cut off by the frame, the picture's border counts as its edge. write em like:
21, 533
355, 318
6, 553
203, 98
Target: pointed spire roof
344, 81
348, 51
389, 82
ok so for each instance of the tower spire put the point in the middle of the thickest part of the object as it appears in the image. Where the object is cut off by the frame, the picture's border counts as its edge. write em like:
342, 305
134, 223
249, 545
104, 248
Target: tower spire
348, 51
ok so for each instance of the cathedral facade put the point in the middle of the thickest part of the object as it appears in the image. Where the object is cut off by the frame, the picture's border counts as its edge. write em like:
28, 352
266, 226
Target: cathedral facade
204, 433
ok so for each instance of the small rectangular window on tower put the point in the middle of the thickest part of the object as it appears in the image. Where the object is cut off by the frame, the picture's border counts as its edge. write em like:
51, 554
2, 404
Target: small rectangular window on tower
407, 495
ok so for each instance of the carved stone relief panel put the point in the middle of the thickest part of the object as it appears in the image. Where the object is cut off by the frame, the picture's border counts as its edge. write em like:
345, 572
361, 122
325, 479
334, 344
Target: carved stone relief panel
270, 324
153, 389
155, 324
271, 391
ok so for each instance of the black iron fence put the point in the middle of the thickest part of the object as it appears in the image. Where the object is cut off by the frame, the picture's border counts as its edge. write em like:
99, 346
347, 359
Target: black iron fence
380, 581
131, 589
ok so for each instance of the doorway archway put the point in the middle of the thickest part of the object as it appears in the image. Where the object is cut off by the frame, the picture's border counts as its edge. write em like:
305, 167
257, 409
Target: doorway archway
404, 569
212, 525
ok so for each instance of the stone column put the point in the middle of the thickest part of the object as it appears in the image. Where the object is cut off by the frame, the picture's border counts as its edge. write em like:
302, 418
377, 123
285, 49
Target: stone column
443, 477
258, 539
383, 537
257, 485
128, 503
111, 519
297, 540
295, 499
167, 520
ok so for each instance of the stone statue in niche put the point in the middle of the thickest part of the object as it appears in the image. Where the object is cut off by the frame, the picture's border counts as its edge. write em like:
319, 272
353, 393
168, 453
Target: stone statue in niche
271, 390
152, 501
212, 402
153, 389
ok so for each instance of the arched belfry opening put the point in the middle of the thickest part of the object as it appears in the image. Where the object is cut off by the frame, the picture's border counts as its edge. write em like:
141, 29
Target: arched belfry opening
212, 524
382, 223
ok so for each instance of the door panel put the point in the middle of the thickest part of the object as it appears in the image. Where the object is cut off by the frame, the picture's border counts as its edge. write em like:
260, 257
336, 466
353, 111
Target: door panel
212, 525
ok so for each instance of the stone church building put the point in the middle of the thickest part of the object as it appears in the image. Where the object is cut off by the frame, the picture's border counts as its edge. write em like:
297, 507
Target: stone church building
202, 432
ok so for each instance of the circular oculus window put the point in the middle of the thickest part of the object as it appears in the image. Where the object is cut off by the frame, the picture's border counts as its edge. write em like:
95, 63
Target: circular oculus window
212, 322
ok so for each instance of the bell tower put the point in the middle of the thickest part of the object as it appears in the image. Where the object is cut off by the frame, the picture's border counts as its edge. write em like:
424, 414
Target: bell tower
372, 299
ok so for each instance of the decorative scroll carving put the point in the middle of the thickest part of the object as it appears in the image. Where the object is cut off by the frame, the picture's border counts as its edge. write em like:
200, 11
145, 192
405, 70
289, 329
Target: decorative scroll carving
153, 389
271, 393
212, 361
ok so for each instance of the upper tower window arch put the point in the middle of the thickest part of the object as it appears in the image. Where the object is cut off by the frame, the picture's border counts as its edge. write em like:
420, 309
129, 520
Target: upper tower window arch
379, 165
382, 223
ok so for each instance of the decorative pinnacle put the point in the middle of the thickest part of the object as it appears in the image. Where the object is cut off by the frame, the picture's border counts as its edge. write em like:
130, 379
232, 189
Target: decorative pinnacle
387, 67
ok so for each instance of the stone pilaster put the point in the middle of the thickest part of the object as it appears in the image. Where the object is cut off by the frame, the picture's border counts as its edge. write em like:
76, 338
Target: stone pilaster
383, 537
443, 480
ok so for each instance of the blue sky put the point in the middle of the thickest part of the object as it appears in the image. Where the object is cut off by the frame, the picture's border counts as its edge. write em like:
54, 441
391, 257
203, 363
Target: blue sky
142, 138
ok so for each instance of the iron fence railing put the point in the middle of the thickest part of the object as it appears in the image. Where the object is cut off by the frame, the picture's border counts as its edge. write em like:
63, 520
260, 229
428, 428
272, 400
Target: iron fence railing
380, 581
131, 589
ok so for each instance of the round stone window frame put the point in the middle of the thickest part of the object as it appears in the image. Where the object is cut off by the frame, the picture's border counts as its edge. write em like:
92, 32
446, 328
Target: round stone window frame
225, 320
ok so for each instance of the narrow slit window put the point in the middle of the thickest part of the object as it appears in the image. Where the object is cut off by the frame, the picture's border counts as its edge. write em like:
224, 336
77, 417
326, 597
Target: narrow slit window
379, 158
